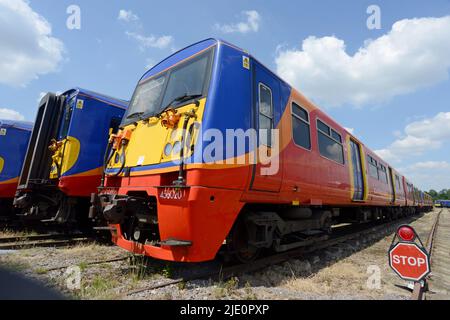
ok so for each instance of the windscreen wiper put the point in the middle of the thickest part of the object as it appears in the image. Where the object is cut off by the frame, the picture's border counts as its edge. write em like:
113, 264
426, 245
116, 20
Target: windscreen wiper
179, 99
134, 114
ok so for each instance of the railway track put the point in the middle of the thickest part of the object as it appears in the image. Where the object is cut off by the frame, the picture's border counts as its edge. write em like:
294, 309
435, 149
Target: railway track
342, 235
438, 245
42, 240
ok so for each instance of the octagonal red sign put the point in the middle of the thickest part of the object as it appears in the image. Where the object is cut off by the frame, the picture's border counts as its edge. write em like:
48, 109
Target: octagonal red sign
409, 261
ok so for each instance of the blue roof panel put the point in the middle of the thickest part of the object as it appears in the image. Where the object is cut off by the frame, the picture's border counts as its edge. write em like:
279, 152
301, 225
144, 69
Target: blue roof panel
179, 56
22, 125
102, 97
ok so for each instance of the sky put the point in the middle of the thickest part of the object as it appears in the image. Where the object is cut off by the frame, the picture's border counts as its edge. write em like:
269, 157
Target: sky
382, 72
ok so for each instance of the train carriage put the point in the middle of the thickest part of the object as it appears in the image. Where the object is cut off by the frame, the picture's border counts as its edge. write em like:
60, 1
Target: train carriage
14, 138
179, 184
63, 163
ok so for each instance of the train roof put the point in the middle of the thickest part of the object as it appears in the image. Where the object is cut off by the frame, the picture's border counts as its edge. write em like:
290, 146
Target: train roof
99, 96
17, 124
186, 52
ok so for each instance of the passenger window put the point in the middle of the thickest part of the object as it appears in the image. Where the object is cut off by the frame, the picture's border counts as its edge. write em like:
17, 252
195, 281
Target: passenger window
323, 127
382, 173
301, 127
336, 136
373, 167
399, 184
266, 112
329, 146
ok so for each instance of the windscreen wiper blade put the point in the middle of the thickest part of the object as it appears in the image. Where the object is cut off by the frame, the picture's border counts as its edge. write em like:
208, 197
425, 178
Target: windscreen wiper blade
179, 99
134, 114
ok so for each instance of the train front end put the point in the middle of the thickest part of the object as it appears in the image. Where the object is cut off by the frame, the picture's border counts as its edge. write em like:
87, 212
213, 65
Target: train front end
14, 138
161, 197
63, 164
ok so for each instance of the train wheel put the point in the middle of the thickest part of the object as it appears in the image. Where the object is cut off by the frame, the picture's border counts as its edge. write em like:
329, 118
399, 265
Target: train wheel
239, 246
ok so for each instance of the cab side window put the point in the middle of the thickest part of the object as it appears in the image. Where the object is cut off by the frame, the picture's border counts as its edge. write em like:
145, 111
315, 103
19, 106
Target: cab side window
265, 113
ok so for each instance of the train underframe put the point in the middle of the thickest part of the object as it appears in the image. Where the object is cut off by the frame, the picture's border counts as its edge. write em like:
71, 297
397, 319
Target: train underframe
255, 228
46, 204
6, 209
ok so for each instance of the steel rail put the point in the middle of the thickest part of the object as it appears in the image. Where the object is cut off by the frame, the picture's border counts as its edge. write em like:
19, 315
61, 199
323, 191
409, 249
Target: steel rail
19, 245
419, 287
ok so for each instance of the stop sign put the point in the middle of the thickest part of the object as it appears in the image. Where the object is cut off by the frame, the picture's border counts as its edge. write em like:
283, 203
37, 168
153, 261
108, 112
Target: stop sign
409, 261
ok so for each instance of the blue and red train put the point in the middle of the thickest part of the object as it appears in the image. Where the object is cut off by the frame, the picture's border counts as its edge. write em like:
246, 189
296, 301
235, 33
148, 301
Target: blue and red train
64, 161
180, 187
14, 138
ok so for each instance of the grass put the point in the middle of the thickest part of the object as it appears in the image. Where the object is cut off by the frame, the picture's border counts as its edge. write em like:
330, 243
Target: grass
138, 267
182, 285
83, 266
15, 265
40, 271
82, 248
98, 288
8, 233
339, 278
167, 271
224, 289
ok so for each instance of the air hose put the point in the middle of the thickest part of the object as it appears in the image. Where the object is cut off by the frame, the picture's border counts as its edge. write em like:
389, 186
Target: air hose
107, 158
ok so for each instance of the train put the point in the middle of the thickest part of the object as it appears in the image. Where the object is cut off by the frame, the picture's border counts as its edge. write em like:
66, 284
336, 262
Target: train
63, 164
14, 138
216, 154
442, 203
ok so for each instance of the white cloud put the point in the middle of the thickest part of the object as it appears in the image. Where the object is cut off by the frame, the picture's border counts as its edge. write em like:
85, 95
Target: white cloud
253, 19
144, 41
420, 136
150, 41
429, 174
127, 16
27, 48
414, 54
350, 130
8, 114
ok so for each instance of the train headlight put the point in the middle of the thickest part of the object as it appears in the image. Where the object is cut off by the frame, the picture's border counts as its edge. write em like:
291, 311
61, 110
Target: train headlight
168, 149
176, 148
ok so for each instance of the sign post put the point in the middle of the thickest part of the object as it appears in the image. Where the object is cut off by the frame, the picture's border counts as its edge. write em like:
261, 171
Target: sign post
409, 259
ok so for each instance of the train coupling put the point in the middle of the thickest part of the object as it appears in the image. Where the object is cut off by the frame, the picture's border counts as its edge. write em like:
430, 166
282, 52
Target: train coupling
114, 208
111, 207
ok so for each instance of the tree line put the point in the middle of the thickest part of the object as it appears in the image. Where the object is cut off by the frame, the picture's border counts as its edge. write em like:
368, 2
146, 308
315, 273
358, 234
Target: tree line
444, 194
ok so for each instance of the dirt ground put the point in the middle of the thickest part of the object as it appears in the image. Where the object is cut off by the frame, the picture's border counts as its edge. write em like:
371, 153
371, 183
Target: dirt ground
357, 269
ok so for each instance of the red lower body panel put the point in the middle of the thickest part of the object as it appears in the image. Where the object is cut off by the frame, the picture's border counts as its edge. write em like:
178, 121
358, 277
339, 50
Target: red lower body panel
8, 188
203, 217
79, 186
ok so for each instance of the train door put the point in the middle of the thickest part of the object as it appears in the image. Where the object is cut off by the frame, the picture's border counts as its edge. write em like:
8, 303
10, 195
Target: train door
358, 178
37, 162
392, 183
266, 105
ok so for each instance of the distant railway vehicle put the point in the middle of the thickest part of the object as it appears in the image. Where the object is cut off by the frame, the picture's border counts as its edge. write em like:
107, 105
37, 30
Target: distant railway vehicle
14, 138
173, 191
442, 203
64, 161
